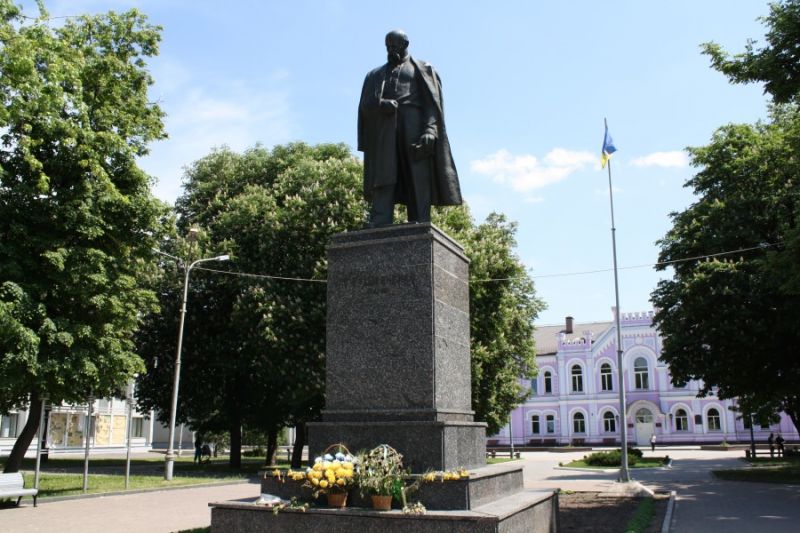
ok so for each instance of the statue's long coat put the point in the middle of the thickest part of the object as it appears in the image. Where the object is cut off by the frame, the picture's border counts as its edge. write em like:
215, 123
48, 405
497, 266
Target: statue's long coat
377, 138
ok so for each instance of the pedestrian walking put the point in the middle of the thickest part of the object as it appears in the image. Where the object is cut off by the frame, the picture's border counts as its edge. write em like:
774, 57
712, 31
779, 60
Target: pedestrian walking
198, 448
771, 442
653, 442
779, 442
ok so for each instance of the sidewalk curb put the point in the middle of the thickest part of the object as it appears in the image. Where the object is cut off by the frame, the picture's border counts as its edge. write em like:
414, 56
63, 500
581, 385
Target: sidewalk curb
54, 499
665, 525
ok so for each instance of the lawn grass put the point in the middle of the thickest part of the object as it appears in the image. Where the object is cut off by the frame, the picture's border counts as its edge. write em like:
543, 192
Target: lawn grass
642, 518
495, 460
250, 465
51, 484
765, 470
645, 462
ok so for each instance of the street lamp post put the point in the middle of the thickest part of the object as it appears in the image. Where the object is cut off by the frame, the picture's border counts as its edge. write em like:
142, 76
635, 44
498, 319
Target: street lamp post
170, 457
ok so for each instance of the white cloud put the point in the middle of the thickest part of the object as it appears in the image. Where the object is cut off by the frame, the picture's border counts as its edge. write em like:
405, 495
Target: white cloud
534, 200
525, 172
676, 158
202, 116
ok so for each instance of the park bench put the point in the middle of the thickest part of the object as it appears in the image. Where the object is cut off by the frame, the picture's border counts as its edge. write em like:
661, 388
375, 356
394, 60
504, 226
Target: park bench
14, 485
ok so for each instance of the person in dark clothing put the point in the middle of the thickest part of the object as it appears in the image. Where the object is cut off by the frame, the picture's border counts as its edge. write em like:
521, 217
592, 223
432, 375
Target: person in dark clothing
779, 442
771, 442
198, 448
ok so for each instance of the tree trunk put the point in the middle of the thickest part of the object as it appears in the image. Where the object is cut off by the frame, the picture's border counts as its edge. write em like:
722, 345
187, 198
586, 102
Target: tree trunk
272, 446
29, 432
235, 460
299, 443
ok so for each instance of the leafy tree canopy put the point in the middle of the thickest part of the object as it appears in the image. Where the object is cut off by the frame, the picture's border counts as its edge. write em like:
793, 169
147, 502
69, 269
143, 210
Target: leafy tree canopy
77, 220
777, 65
731, 321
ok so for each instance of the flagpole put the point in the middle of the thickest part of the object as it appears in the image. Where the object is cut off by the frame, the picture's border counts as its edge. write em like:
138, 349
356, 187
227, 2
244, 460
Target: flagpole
624, 473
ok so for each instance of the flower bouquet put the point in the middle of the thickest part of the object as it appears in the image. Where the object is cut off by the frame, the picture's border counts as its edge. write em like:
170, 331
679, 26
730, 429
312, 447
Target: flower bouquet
332, 474
382, 476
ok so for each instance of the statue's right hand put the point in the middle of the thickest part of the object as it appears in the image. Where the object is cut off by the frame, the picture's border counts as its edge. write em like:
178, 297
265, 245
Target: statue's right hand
388, 107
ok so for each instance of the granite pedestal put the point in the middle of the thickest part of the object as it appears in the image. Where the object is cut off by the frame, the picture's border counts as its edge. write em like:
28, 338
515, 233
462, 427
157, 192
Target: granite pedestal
398, 373
398, 363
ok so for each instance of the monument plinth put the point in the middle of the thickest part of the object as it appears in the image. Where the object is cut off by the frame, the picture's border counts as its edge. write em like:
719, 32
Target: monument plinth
398, 361
398, 373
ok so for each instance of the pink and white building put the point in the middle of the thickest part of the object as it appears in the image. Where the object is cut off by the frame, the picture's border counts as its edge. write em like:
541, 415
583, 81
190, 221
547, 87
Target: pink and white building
575, 397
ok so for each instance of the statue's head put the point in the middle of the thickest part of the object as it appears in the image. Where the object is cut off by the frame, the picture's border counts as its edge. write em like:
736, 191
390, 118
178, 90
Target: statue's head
396, 46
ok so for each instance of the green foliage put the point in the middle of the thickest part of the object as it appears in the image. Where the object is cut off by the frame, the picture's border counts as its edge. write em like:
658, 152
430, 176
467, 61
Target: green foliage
77, 219
502, 312
643, 517
254, 348
777, 65
731, 321
612, 458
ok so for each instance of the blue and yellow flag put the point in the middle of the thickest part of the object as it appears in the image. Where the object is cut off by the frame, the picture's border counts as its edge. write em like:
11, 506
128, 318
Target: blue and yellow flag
608, 149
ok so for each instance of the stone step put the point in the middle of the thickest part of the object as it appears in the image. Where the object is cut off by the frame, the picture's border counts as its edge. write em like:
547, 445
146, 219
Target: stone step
485, 484
526, 511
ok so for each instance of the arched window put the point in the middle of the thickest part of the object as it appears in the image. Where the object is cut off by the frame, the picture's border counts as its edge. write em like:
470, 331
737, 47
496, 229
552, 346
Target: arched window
714, 423
578, 423
535, 424
606, 382
609, 422
644, 416
548, 382
577, 378
641, 376
681, 420
551, 423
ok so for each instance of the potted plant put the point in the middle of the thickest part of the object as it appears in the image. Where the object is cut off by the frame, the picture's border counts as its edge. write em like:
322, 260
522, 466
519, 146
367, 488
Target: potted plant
381, 476
332, 474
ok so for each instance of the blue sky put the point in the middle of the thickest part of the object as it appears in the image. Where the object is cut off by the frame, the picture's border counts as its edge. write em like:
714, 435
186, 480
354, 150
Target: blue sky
526, 87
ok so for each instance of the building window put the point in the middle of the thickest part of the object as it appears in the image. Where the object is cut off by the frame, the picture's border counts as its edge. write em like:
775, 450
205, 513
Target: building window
534, 386
641, 376
606, 382
609, 422
681, 420
578, 423
137, 427
643, 416
551, 423
535, 424
548, 382
8, 425
713, 420
577, 379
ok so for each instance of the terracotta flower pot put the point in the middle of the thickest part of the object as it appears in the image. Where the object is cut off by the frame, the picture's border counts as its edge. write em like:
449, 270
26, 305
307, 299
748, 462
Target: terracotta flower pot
337, 499
381, 503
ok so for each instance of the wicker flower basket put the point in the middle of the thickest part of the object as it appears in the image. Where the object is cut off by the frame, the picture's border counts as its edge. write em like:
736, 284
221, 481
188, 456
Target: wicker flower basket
381, 502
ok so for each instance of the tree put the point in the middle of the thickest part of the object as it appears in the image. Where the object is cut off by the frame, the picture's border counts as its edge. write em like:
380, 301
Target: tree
731, 320
503, 307
255, 355
77, 220
777, 65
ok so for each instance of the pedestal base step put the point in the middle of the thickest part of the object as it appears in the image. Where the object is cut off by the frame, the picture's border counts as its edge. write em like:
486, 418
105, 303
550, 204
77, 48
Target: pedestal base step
526, 511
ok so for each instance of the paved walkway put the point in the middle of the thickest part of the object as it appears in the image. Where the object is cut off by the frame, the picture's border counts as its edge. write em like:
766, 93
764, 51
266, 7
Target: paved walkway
149, 512
703, 503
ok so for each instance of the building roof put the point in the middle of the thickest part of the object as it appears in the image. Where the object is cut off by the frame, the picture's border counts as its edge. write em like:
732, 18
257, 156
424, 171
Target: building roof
546, 337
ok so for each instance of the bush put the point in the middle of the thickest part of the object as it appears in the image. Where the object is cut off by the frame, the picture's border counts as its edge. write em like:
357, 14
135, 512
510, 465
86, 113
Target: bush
613, 458
258, 451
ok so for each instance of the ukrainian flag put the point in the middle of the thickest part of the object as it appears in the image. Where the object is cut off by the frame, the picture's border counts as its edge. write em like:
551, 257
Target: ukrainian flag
608, 149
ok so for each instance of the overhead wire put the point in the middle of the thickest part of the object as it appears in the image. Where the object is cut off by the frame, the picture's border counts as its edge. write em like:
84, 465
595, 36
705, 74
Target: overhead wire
489, 280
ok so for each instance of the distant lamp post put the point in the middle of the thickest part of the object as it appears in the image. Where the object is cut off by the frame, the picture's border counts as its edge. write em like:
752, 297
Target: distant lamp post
170, 457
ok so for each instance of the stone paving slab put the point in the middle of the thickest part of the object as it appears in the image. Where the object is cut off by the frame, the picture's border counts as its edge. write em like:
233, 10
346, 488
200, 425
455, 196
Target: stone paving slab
147, 512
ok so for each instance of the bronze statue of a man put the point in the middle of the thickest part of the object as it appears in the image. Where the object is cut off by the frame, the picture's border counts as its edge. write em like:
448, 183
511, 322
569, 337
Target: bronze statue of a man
401, 131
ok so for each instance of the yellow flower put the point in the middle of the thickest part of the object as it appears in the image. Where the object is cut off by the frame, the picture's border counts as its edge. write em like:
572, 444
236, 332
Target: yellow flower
314, 481
430, 476
276, 473
340, 472
340, 482
317, 466
323, 484
348, 465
